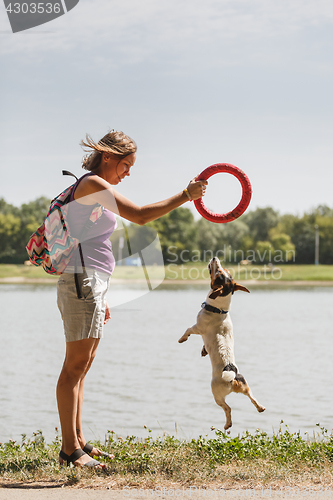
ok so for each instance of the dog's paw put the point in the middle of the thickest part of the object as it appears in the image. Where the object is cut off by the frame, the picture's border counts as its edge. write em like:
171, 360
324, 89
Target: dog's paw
182, 339
261, 409
203, 351
228, 425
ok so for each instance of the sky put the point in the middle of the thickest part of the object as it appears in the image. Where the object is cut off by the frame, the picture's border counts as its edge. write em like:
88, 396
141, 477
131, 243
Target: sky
193, 83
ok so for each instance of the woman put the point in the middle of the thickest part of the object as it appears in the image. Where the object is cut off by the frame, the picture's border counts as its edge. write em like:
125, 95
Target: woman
108, 163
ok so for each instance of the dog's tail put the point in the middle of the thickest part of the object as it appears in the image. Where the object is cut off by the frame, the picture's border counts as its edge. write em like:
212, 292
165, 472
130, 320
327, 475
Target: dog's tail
229, 373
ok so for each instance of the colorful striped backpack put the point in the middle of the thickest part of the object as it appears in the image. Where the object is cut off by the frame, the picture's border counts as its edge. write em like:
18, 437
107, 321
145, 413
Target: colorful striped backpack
52, 245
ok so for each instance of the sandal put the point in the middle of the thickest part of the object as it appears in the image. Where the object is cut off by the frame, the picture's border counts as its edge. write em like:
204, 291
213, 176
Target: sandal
88, 449
75, 456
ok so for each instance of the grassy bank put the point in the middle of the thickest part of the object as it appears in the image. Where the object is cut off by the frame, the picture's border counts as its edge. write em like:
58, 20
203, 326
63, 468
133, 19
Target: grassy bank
292, 272
21, 271
192, 272
246, 461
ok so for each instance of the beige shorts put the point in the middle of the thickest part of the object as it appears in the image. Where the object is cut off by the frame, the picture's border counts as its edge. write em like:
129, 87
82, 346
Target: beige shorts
83, 318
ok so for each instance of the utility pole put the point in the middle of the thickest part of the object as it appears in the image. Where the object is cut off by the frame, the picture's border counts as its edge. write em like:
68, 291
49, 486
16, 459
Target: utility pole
316, 245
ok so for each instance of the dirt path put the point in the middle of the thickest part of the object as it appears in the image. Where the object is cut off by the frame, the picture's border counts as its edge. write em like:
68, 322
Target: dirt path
195, 493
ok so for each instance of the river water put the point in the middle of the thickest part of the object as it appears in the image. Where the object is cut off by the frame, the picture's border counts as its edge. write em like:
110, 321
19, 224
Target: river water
143, 377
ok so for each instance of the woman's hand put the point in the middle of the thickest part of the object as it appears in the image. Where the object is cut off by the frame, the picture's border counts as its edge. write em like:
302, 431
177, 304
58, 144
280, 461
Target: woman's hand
197, 189
107, 313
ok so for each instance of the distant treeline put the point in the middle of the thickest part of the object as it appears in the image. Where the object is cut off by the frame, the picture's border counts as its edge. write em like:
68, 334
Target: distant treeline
260, 236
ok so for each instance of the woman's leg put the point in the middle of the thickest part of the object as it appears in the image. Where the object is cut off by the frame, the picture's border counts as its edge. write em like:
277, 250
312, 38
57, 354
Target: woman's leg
79, 430
78, 359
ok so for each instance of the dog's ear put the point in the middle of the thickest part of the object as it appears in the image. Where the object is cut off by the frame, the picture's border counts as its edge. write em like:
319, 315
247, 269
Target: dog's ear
218, 291
240, 287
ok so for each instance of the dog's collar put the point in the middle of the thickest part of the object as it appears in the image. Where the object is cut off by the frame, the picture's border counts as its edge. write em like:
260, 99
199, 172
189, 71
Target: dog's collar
213, 309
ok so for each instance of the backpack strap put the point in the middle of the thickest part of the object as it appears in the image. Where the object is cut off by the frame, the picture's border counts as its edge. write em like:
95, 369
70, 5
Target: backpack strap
76, 279
83, 234
67, 172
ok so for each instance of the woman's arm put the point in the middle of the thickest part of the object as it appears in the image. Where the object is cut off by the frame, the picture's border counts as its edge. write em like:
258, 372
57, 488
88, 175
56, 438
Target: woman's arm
147, 213
97, 190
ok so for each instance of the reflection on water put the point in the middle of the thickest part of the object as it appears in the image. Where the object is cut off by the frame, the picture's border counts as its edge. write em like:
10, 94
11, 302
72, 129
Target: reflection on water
142, 376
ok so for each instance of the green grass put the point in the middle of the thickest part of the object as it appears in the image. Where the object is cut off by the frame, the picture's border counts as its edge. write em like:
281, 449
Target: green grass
248, 460
192, 272
198, 271
22, 271
290, 272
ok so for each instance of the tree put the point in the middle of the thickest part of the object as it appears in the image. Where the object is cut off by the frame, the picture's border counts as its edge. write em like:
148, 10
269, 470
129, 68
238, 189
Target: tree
7, 208
177, 231
303, 237
325, 225
261, 235
260, 221
284, 249
35, 211
263, 251
233, 240
16, 226
9, 229
208, 238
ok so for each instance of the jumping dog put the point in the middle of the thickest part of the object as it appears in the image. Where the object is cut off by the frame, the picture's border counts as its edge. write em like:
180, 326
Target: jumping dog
215, 327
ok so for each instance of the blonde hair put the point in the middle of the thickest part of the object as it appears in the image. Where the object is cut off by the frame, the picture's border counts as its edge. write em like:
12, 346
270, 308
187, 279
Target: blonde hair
114, 143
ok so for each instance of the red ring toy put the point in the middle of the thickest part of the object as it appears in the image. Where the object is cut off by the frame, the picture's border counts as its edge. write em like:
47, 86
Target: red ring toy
243, 204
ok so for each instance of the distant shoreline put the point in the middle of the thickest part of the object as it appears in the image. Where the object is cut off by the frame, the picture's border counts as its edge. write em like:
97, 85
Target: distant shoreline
191, 274
257, 283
